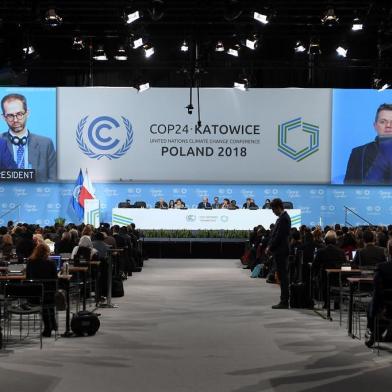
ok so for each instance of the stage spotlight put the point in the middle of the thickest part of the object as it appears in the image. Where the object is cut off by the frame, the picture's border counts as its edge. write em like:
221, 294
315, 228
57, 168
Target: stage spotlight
242, 84
156, 9
137, 42
252, 42
341, 51
299, 47
330, 19
314, 46
232, 10
52, 19
234, 50
143, 87
184, 47
121, 54
100, 54
28, 50
78, 43
262, 18
131, 17
357, 25
148, 50
219, 47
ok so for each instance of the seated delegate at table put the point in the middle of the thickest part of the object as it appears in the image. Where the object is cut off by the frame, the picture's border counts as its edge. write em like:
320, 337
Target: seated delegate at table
40, 267
249, 204
204, 204
161, 203
216, 204
266, 204
371, 254
226, 203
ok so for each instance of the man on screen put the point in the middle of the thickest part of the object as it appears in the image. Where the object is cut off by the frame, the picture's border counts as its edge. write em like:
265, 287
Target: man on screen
6, 160
372, 162
29, 151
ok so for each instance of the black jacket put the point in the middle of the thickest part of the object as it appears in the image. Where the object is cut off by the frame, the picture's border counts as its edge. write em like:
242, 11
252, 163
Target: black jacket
279, 239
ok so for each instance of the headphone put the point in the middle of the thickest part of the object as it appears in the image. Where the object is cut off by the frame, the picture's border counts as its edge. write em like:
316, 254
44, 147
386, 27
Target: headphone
18, 141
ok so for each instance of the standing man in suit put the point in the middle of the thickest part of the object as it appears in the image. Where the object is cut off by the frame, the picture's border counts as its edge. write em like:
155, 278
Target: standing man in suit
205, 203
29, 150
278, 246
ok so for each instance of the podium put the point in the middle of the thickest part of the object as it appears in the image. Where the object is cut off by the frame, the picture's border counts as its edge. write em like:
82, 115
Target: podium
92, 212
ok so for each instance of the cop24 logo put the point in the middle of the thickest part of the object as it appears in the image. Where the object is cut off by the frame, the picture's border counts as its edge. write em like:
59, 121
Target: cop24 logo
99, 143
298, 152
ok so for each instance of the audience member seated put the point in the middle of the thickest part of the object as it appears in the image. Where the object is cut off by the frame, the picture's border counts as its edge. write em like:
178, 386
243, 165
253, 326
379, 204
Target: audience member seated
250, 204
328, 257
125, 204
98, 241
24, 245
216, 204
65, 245
233, 205
266, 205
226, 203
40, 267
172, 204
382, 282
371, 254
204, 204
179, 204
7, 245
84, 251
161, 203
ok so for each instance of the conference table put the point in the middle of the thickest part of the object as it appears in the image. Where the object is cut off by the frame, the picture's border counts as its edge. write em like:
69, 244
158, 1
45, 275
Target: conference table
198, 219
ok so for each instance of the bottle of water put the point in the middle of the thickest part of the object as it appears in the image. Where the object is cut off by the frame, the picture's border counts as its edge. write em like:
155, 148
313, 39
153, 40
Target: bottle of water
66, 268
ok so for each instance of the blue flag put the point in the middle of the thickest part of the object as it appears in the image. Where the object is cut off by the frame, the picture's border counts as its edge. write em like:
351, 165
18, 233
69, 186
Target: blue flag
78, 208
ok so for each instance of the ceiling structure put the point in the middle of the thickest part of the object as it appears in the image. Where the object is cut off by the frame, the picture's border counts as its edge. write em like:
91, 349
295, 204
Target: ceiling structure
166, 24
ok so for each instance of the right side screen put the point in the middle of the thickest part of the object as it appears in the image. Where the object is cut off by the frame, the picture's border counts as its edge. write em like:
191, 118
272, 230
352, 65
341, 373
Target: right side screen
361, 137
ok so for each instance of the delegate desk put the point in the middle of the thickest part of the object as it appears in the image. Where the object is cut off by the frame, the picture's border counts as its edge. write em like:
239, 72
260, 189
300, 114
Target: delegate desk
198, 219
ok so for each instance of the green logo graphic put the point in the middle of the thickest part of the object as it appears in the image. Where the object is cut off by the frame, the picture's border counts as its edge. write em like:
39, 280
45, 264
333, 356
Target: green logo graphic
298, 125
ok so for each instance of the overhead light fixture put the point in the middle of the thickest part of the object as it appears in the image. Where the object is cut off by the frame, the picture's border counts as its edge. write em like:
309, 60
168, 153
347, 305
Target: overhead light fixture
380, 84
131, 17
28, 50
232, 10
52, 19
234, 50
252, 42
242, 84
100, 54
121, 54
156, 9
137, 43
143, 87
357, 25
262, 18
299, 47
219, 47
330, 19
78, 43
184, 46
148, 50
314, 46
341, 51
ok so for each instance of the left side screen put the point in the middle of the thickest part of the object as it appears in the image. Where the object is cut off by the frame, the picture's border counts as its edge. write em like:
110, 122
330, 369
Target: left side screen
28, 142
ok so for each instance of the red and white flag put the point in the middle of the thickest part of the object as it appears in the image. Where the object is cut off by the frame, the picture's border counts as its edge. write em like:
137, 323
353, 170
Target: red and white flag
87, 190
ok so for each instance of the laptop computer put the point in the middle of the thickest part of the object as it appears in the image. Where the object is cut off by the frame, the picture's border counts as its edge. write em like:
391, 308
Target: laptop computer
58, 261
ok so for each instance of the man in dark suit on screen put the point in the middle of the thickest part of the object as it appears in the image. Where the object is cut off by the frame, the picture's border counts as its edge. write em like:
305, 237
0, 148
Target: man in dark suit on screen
278, 246
29, 150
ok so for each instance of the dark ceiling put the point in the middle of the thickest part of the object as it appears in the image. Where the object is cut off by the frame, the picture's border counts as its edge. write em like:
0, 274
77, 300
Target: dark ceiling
166, 24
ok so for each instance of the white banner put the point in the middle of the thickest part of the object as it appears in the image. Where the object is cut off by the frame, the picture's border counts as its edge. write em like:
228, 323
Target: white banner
198, 219
263, 135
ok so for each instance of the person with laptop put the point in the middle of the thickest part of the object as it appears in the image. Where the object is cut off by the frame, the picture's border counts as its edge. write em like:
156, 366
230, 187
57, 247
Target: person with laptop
84, 251
370, 255
40, 267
